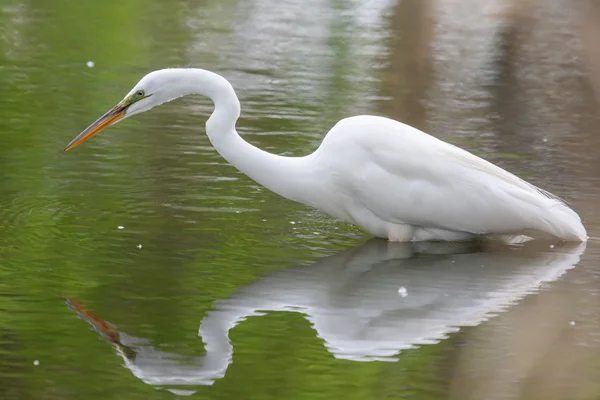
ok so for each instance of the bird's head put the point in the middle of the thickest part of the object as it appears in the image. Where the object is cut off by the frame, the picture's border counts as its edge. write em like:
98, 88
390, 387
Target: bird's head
152, 90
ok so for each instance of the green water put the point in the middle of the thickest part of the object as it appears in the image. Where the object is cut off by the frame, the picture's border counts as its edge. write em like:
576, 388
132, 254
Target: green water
191, 280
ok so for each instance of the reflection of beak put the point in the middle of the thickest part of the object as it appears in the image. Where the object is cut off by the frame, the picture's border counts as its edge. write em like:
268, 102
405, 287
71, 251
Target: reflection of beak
111, 117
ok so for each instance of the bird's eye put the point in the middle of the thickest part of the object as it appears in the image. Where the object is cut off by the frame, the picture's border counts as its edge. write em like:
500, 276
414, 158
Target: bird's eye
139, 93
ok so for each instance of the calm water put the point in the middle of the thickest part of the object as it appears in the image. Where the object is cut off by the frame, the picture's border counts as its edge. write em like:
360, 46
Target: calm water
142, 266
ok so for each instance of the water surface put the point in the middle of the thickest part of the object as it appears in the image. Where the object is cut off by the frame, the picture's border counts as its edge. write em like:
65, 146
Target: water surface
142, 265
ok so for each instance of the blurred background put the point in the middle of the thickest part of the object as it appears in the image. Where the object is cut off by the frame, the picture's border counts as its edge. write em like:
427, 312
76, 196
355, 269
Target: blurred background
191, 280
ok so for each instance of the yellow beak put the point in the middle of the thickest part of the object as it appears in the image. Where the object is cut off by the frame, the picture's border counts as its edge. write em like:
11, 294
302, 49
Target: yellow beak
111, 117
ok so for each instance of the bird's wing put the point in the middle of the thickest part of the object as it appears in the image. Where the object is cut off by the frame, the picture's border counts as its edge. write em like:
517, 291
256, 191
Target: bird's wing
403, 175
471, 161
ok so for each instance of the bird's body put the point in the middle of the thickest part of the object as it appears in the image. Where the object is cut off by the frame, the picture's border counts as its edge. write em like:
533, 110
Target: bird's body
403, 184
393, 180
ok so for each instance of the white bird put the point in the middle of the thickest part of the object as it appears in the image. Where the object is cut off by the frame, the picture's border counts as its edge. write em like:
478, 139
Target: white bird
392, 180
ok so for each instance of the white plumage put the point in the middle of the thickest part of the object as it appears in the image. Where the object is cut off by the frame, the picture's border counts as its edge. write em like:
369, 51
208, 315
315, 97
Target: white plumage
393, 180
404, 183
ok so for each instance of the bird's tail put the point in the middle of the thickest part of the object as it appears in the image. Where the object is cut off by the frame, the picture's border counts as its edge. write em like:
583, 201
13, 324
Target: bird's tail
561, 221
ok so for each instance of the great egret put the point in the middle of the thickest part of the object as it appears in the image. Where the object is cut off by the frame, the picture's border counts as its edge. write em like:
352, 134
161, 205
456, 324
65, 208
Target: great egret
391, 179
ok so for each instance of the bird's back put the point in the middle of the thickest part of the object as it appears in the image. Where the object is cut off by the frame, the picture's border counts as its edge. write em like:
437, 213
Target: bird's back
405, 176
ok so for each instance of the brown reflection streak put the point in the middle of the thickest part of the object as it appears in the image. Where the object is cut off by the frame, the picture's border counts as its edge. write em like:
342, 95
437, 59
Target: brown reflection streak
407, 78
507, 104
591, 48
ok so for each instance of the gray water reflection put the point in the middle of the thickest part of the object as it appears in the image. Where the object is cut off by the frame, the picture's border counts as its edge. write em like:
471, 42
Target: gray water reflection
367, 303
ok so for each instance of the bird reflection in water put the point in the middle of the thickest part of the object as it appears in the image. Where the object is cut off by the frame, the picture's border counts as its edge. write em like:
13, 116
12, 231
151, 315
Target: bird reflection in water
104, 328
352, 300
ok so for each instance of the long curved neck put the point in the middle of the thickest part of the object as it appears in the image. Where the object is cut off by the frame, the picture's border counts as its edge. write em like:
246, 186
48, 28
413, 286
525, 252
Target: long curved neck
290, 177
